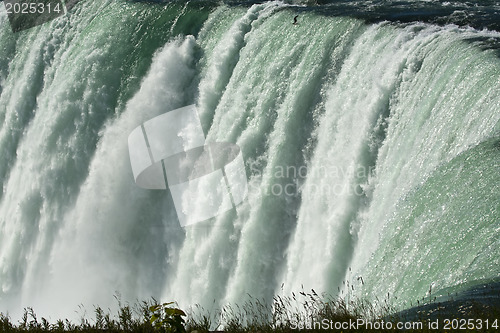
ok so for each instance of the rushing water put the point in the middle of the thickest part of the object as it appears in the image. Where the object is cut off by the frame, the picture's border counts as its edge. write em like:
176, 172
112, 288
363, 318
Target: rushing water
370, 134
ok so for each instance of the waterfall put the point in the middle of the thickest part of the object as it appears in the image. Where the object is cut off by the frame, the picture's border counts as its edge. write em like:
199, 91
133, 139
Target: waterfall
370, 149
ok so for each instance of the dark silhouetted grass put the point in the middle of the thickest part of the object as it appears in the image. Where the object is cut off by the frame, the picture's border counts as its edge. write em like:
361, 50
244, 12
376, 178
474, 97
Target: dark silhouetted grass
302, 311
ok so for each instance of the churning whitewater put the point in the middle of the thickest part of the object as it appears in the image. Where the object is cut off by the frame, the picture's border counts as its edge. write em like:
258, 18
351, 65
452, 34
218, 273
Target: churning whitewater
372, 154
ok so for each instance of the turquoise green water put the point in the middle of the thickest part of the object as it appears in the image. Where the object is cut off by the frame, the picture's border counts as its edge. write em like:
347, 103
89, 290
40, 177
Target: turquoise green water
371, 150
460, 227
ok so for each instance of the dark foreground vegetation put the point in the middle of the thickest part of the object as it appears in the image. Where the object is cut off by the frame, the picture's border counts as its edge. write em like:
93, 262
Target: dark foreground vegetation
305, 311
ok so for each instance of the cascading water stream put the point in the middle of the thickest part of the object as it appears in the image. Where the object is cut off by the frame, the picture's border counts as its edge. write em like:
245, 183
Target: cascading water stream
369, 149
